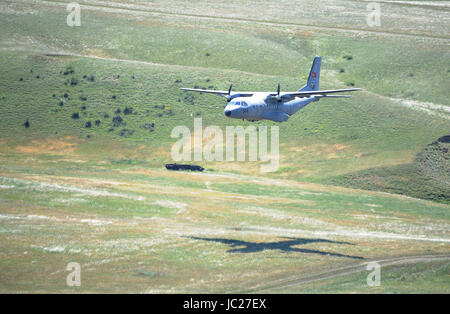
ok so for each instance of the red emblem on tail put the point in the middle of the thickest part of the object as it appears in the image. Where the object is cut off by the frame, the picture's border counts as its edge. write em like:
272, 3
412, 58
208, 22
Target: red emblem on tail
314, 74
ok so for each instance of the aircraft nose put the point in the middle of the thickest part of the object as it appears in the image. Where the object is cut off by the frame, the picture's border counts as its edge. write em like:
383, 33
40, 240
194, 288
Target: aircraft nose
228, 113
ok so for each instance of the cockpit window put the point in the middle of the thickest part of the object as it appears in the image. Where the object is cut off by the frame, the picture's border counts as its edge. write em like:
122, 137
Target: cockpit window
244, 104
238, 103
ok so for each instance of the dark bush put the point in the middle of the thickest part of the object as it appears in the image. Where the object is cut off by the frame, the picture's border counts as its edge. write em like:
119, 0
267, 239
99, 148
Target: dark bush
83, 97
106, 116
91, 78
189, 99
27, 124
98, 122
113, 97
73, 81
341, 70
61, 103
88, 124
37, 76
66, 95
21, 79
83, 108
117, 121
117, 111
68, 70
75, 115
149, 126
128, 110
126, 132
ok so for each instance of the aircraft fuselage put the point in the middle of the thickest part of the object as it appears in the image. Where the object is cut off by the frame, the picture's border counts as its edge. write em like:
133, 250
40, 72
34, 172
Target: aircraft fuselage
261, 107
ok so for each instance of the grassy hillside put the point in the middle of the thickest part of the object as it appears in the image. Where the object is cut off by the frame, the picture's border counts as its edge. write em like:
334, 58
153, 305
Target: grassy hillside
427, 177
86, 115
135, 229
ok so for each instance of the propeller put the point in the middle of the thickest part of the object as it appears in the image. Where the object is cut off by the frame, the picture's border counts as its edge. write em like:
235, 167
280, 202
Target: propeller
229, 93
278, 92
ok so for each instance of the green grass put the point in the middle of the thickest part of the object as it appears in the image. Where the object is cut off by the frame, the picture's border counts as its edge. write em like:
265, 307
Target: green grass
426, 178
432, 277
100, 195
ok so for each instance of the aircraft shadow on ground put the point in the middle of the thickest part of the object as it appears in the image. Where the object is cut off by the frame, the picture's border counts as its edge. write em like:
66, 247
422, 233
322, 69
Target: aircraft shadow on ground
284, 246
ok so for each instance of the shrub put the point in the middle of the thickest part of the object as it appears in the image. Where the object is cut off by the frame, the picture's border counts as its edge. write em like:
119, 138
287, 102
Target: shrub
88, 124
73, 81
97, 122
126, 132
149, 126
117, 121
128, 110
68, 70
27, 124
75, 115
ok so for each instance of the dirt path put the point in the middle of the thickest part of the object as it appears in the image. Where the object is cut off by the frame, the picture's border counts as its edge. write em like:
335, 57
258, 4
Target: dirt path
340, 272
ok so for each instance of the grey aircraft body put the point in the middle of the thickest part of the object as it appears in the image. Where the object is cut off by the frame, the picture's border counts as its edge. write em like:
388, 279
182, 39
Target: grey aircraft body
276, 106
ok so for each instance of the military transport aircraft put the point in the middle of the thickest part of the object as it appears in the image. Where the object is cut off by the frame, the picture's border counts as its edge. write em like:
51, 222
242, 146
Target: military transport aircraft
276, 106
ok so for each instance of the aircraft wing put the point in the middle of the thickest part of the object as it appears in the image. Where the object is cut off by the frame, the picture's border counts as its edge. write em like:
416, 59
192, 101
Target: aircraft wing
223, 93
319, 93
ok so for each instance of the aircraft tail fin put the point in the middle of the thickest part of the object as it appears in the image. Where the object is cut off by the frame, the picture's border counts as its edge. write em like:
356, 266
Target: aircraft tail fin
314, 76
